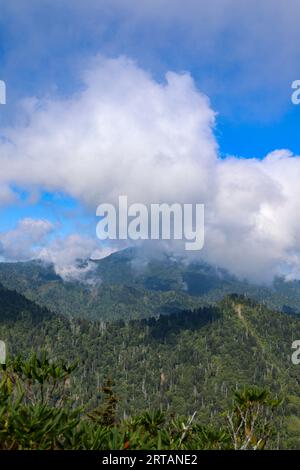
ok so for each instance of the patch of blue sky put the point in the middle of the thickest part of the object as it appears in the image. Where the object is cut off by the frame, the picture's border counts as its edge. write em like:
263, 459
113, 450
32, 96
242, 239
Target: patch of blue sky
64, 212
257, 139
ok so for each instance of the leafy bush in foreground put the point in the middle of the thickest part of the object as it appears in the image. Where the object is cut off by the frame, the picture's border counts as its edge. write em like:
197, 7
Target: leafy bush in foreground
38, 411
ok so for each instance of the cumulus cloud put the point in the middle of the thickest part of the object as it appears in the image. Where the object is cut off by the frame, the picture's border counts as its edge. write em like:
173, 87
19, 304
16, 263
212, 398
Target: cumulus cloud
25, 240
126, 133
253, 229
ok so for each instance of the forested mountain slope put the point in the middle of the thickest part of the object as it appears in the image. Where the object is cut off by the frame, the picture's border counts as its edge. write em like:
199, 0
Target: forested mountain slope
126, 285
185, 362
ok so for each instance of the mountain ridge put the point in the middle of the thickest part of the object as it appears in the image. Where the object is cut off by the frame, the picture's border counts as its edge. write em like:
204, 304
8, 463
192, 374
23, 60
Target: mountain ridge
126, 284
204, 355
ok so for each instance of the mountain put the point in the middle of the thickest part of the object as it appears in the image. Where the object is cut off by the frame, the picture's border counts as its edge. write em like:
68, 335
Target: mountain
94, 298
128, 285
184, 362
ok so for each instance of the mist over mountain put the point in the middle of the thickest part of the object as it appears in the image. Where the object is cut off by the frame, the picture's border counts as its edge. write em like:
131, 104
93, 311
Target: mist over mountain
129, 284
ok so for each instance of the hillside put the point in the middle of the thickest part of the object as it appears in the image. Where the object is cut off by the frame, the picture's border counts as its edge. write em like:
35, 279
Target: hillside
126, 285
189, 361
97, 300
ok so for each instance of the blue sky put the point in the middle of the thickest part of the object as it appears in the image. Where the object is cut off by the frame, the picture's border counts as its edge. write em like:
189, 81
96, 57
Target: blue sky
242, 55
44, 44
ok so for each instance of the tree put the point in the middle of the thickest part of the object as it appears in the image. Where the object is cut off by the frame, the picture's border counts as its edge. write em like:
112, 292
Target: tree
250, 423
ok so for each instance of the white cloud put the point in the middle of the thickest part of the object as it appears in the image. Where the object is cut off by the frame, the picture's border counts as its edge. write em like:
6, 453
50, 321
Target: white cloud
67, 253
25, 240
125, 133
253, 229
30, 240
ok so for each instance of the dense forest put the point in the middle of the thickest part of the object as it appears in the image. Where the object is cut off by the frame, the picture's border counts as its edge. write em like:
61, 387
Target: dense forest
38, 411
125, 285
187, 362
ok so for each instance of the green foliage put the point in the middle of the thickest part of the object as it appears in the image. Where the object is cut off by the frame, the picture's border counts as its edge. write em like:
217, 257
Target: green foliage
46, 423
109, 294
34, 411
251, 421
181, 363
127, 285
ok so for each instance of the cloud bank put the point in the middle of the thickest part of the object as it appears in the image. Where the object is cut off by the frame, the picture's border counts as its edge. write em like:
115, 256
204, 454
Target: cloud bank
124, 132
25, 240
